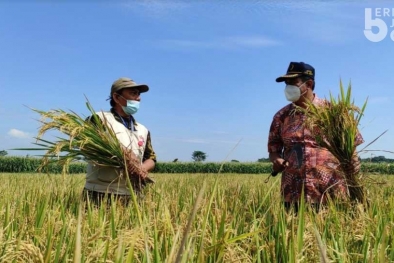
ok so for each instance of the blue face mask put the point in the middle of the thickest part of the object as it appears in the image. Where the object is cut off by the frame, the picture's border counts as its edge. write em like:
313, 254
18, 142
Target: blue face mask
132, 107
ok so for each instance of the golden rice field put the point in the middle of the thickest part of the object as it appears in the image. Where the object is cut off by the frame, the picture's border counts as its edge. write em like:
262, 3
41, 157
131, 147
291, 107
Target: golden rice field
189, 218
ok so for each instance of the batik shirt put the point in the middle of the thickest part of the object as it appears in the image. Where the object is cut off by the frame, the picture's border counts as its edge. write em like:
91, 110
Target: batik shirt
316, 171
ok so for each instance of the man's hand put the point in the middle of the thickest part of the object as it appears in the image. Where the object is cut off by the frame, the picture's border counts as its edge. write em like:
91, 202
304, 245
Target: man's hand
279, 164
148, 165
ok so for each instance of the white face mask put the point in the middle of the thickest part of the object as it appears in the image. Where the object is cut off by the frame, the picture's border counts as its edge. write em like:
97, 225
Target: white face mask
293, 93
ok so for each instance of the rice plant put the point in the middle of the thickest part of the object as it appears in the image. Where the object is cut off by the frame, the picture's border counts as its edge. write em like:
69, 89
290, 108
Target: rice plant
189, 218
335, 125
92, 139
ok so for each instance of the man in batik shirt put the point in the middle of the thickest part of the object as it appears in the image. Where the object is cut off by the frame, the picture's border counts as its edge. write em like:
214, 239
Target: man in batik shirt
293, 149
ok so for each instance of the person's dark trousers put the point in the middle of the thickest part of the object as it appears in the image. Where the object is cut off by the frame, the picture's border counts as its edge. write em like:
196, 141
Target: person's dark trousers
295, 206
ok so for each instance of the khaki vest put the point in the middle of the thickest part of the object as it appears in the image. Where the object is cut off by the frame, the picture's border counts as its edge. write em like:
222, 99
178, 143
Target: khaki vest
109, 180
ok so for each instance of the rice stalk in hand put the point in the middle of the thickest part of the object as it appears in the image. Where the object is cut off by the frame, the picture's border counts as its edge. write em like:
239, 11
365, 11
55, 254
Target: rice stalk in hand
335, 126
92, 139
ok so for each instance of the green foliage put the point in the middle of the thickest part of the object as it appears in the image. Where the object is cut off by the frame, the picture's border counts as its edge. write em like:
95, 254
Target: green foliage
229, 167
3, 153
378, 159
30, 164
199, 156
16, 164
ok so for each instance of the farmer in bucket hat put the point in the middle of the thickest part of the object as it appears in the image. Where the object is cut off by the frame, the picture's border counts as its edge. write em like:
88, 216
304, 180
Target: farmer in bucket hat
105, 182
309, 171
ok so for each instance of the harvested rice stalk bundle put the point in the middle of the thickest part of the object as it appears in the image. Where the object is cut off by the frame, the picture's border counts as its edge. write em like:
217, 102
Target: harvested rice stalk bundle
335, 126
91, 139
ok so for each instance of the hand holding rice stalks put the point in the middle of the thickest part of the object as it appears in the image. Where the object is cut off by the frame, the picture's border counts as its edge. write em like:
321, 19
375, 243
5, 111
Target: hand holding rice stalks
335, 126
93, 140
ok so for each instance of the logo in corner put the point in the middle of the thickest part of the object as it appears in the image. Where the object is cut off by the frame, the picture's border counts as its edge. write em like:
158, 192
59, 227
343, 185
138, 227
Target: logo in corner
376, 23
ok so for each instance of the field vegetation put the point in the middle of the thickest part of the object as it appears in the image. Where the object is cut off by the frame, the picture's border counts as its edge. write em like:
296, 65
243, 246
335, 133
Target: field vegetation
189, 218
18, 164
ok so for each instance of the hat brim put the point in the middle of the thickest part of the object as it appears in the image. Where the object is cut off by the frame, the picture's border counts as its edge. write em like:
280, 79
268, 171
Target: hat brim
141, 87
288, 76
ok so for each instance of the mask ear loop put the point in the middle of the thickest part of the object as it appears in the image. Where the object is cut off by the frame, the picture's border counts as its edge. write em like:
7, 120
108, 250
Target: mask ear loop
118, 99
302, 94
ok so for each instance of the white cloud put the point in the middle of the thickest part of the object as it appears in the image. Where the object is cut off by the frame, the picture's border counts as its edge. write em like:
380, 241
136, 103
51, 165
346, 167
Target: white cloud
234, 42
156, 8
253, 41
199, 141
19, 134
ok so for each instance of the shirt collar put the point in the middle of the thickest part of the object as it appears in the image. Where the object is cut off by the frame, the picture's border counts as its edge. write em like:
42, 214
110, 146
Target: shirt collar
117, 117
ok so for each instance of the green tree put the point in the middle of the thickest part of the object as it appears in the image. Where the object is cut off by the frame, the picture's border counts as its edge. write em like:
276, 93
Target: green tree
199, 156
3, 153
378, 159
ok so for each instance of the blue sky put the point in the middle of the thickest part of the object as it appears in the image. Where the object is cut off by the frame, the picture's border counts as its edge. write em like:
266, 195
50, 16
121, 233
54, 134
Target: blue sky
210, 65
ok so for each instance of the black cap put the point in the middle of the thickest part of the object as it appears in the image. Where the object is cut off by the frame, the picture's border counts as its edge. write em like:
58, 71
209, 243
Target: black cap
297, 69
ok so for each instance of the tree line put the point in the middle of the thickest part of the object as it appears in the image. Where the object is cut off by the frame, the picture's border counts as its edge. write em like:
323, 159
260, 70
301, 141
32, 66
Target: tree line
199, 156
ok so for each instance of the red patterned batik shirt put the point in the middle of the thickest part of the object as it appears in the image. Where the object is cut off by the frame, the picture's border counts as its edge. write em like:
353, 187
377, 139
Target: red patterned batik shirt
311, 167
